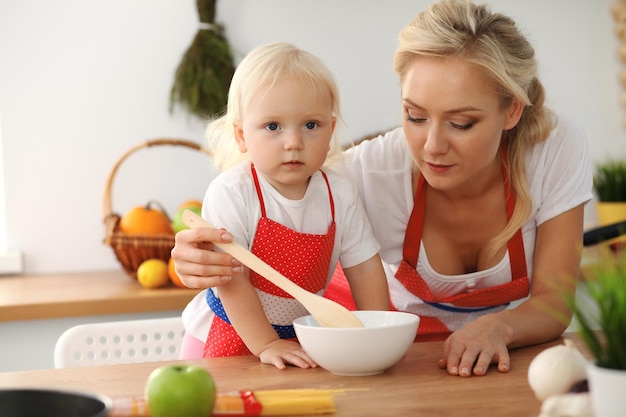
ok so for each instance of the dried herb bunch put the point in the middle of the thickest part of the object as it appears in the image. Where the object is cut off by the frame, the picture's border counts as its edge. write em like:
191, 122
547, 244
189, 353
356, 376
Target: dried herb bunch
203, 76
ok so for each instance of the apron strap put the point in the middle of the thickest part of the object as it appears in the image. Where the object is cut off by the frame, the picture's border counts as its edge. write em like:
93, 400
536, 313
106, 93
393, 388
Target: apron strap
258, 189
257, 185
517, 288
215, 304
415, 226
517, 254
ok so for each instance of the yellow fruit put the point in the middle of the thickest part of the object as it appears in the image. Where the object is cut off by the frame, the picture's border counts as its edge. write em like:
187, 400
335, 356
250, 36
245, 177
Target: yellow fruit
189, 204
152, 273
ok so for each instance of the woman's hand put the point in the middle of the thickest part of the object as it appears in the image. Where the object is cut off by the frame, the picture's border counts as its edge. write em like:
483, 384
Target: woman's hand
282, 352
473, 348
197, 264
543, 316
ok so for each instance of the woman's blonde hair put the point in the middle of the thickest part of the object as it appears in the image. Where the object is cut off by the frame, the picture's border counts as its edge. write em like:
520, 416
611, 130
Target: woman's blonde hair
493, 43
261, 69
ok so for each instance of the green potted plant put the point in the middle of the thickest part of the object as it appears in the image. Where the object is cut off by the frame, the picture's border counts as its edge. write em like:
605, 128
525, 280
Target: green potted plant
603, 331
609, 184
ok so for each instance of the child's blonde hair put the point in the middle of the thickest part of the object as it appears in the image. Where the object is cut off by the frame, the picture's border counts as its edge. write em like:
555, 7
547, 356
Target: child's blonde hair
262, 68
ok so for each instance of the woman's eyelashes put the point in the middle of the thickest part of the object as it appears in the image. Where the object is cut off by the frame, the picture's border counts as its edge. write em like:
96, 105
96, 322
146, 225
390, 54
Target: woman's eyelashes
459, 126
414, 119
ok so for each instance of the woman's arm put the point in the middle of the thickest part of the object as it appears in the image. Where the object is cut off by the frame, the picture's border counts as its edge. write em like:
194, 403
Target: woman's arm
544, 316
556, 267
369, 285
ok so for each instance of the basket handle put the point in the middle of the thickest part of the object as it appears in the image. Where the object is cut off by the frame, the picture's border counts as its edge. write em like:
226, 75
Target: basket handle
107, 205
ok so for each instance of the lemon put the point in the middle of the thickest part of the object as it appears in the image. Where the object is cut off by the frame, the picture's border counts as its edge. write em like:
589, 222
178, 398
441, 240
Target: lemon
152, 273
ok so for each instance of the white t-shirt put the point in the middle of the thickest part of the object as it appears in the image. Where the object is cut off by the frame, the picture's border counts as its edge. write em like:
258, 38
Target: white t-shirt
559, 179
231, 202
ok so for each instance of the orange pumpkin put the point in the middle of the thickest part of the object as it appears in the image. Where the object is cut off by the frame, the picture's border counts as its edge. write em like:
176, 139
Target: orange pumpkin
146, 220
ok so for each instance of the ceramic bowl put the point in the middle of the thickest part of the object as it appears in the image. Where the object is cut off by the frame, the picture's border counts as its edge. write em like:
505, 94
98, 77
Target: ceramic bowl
382, 341
52, 403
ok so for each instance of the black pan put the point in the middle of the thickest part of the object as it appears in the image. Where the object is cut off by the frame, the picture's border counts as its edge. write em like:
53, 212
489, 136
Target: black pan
52, 403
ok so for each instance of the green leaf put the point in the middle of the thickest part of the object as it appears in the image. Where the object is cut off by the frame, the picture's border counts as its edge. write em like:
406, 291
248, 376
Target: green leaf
609, 181
605, 334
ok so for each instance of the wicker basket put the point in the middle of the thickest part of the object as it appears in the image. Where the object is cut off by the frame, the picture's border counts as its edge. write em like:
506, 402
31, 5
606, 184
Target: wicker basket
132, 250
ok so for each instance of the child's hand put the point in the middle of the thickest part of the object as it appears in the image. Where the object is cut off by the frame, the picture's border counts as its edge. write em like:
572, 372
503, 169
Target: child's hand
282, 352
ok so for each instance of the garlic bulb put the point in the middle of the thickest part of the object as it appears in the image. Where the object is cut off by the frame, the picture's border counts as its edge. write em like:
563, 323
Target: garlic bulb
555, 369
567, 405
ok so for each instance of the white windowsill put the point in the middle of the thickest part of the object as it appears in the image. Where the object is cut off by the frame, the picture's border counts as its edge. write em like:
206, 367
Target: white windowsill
11, 262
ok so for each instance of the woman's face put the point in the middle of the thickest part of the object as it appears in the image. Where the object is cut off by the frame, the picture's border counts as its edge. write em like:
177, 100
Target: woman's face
453, 121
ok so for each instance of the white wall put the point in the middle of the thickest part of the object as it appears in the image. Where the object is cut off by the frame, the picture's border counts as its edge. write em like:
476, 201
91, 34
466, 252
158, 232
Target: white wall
30, 344
82, 81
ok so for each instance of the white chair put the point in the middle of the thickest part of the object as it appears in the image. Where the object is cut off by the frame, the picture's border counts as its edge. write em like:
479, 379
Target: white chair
116, 342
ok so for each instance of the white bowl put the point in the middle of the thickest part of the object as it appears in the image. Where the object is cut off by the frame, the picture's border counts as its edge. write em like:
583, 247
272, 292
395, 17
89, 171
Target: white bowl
369, 350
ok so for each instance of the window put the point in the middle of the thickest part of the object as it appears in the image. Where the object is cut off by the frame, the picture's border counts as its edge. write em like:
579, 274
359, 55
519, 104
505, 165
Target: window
10, 259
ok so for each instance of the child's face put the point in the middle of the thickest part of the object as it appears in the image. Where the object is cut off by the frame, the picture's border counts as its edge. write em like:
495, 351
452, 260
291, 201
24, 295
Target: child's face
287, 129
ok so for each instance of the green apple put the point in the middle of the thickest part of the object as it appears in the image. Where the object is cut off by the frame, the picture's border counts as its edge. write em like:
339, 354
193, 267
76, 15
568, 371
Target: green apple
180, 391
177, 220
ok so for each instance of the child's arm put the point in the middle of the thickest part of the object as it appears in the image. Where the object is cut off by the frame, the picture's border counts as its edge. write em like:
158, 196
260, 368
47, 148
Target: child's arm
246, 314
368, 284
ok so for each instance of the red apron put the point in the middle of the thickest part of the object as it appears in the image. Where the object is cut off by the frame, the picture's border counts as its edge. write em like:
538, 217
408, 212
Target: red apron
518, 287
302, 257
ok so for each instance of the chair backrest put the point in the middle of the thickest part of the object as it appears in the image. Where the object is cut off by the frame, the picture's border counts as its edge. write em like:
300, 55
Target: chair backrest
116, 342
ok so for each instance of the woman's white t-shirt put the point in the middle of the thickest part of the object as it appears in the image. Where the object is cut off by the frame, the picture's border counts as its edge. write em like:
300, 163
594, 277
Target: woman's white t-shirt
559, 179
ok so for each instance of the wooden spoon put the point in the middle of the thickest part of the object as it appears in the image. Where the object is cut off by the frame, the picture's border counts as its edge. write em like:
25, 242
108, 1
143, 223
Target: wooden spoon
327, 312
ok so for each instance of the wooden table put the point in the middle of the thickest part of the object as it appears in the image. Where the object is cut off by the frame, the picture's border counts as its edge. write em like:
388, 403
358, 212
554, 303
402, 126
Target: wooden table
413, 387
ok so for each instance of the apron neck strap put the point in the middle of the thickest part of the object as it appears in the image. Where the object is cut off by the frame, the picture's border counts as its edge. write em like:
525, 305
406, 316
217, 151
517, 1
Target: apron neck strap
257, 185
415, 226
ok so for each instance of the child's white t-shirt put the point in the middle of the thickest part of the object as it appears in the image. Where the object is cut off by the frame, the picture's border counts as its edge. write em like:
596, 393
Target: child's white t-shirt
231, 202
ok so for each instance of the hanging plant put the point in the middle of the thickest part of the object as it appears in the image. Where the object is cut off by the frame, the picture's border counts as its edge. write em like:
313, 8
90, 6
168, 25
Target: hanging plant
203, 76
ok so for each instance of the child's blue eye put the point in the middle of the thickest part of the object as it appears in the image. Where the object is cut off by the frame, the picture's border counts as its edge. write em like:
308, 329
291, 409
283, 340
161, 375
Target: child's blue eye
310, 125
272, 126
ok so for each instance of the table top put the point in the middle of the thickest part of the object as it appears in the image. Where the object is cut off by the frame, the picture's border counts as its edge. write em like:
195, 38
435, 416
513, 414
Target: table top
415, 386
28, 297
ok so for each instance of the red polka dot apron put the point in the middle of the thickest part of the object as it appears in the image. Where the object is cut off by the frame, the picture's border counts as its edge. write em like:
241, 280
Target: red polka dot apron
302, 257
469, 301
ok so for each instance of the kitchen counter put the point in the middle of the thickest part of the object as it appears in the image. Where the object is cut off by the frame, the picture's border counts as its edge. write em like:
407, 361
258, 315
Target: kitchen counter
29, 297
